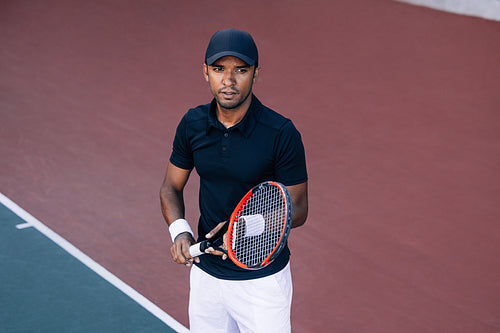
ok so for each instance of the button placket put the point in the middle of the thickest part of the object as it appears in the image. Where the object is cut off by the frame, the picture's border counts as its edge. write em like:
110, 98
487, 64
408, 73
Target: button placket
225, 142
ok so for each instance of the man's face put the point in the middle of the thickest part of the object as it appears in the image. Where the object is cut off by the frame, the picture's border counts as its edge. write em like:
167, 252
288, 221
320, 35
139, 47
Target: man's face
230, 80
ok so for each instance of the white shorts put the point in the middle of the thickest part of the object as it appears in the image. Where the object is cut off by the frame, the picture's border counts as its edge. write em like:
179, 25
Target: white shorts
258, 305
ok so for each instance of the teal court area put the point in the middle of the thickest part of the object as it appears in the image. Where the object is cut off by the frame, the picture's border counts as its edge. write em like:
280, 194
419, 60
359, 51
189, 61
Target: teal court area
43, 288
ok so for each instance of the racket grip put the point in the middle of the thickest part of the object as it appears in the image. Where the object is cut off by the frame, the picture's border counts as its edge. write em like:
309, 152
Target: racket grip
198, 249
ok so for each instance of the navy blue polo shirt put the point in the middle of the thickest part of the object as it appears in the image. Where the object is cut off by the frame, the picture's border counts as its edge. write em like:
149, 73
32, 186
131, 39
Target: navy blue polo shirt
263, 146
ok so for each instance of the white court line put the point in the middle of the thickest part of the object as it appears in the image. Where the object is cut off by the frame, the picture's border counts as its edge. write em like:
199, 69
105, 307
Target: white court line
86, 260
24, 225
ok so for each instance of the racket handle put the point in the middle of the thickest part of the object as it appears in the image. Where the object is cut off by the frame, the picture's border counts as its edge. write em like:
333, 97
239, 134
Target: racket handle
198, 249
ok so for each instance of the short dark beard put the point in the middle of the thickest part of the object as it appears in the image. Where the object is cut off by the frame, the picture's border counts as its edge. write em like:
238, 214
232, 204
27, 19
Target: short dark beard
231, 107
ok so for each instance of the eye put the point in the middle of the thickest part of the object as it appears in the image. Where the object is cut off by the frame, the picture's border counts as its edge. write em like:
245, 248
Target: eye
241, 70
217, 69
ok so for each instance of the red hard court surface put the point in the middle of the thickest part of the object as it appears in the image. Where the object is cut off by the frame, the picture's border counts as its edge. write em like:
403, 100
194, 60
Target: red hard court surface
399, 108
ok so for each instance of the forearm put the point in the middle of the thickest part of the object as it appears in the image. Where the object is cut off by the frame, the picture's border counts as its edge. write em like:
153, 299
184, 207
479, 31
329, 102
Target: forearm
299, 204
172, 207
172, 204
299, 216
172, 193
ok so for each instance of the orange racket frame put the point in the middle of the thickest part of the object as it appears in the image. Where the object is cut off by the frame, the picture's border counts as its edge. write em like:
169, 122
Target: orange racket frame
285, 230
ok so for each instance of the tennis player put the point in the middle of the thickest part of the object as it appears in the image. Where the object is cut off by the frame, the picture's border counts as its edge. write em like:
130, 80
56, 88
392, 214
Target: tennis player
234, 142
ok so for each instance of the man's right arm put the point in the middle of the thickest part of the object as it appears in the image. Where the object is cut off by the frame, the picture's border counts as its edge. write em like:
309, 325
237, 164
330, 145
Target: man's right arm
172, 207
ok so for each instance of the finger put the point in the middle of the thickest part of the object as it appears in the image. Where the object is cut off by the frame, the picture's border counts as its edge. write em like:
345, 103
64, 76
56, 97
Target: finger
188, 260
175, 254
215, 230
180, 250
215, 252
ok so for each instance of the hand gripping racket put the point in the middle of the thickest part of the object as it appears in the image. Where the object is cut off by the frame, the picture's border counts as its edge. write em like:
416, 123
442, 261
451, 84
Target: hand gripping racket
258, 228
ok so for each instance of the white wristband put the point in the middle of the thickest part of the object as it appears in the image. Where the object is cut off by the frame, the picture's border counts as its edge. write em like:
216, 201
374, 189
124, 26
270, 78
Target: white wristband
178, 227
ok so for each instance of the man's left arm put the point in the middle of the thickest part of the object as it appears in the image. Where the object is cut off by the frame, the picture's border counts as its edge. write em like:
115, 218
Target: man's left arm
299, 203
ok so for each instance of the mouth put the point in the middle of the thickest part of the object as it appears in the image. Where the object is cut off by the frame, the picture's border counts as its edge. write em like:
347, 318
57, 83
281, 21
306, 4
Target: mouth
228, 93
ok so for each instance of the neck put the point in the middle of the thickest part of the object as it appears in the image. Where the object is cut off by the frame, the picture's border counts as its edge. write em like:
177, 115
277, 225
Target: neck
231, 117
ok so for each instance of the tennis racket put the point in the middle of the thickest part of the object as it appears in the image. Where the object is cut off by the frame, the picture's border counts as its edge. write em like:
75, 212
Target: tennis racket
258, 228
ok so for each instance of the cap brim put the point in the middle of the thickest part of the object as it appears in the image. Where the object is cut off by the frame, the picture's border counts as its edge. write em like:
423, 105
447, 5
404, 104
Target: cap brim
210, 60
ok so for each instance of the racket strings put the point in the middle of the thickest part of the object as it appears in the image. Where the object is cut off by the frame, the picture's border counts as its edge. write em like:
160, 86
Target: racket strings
259, 226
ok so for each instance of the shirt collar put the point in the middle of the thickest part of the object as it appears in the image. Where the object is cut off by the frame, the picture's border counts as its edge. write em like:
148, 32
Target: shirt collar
245, 126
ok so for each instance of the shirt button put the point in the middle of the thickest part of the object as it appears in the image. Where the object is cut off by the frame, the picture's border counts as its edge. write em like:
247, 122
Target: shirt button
226, 134
224, 148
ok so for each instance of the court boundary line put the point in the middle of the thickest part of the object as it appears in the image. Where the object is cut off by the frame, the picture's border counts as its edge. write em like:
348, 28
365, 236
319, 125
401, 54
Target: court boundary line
93, 265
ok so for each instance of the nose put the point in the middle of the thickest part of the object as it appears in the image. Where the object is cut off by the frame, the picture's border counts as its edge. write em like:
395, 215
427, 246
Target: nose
228, 78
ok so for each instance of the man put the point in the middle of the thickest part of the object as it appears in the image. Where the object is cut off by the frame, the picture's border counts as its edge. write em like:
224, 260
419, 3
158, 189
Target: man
234, 143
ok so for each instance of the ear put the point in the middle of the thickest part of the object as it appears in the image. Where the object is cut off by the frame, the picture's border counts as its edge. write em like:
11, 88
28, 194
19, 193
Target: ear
256, 74
205, 72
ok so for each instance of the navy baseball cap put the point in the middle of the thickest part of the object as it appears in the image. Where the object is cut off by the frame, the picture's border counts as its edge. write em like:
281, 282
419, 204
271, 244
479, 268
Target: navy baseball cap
232, 42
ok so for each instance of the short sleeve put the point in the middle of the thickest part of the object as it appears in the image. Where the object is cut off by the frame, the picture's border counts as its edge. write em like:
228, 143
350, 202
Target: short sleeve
182, 156
290, 166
